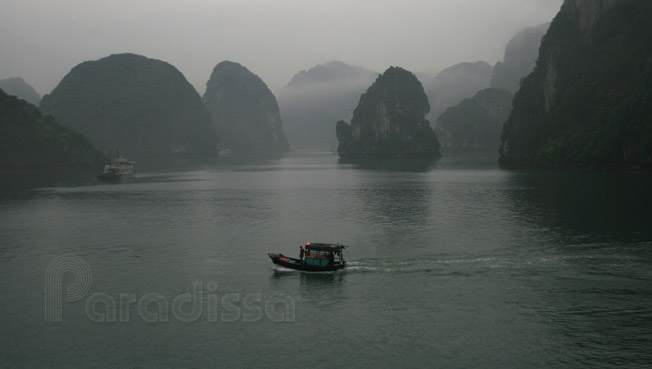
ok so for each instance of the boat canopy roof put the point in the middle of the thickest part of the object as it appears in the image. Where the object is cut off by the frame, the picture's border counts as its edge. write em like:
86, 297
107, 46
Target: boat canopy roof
312, 246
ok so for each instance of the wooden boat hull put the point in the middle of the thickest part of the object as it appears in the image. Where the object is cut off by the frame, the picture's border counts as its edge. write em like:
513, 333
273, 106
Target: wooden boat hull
297, 264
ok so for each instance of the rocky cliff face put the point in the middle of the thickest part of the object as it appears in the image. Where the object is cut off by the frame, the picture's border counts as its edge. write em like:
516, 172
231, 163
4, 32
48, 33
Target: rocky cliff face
520, 58
244, 111
477, 122
29, 140
389, 120
144, 106
315, 99
588, 101
19, 88
589, 12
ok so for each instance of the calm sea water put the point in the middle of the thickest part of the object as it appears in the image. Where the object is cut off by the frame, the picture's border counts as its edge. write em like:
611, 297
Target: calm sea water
452, 264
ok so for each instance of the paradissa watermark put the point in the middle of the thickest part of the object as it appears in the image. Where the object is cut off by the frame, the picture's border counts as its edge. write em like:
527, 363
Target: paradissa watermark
153, 307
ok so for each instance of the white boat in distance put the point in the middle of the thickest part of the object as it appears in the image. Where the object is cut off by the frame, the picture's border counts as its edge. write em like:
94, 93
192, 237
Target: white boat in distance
121, 168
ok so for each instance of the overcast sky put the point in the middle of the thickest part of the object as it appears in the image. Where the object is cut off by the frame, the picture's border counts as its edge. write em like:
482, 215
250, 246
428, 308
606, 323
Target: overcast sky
41, 40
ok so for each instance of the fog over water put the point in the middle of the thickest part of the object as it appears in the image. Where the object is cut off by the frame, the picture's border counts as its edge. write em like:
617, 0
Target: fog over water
42, 40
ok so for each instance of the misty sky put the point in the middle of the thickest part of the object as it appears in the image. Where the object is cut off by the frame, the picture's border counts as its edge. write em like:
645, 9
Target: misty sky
41, 40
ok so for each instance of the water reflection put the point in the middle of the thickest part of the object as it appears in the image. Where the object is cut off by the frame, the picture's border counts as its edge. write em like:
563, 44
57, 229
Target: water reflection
21, 182
392, 164
595, 296
308, 277
173, 163
255, 158
185, 163
613, 205
463, 159
394, 210
312, 285
396, 206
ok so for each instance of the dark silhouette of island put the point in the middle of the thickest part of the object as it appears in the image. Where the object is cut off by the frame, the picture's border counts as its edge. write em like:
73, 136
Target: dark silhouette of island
244, 111
476, 122
144, 106
389, 120
588, 102
30, 140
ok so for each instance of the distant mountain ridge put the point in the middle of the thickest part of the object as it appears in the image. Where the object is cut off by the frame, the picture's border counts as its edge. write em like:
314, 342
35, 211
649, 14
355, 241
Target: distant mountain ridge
456, 83
18, 87
329, 72
144, 106
315, 99
520, 58
243, 110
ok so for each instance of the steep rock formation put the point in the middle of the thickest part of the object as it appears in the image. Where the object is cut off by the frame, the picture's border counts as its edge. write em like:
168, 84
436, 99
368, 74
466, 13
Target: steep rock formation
589, 12
520, 57
144, 106
315, 99
477, 122
243, 110
389, 120
456, 83
19, 88
589, 100
29, 140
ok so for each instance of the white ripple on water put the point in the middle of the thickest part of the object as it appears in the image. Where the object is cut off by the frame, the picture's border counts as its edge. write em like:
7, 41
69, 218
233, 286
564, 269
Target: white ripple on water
484, 264
426, 265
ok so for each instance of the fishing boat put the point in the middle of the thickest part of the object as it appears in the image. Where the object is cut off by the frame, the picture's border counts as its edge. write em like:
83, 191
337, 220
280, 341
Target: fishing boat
120, 169
317, 257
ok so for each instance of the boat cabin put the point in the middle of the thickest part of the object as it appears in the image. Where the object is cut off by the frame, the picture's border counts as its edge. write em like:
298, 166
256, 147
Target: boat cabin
324, 254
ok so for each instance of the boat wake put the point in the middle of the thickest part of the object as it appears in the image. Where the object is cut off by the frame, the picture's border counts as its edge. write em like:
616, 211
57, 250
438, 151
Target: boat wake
452, 266
618, 262
424, 265
281, 269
